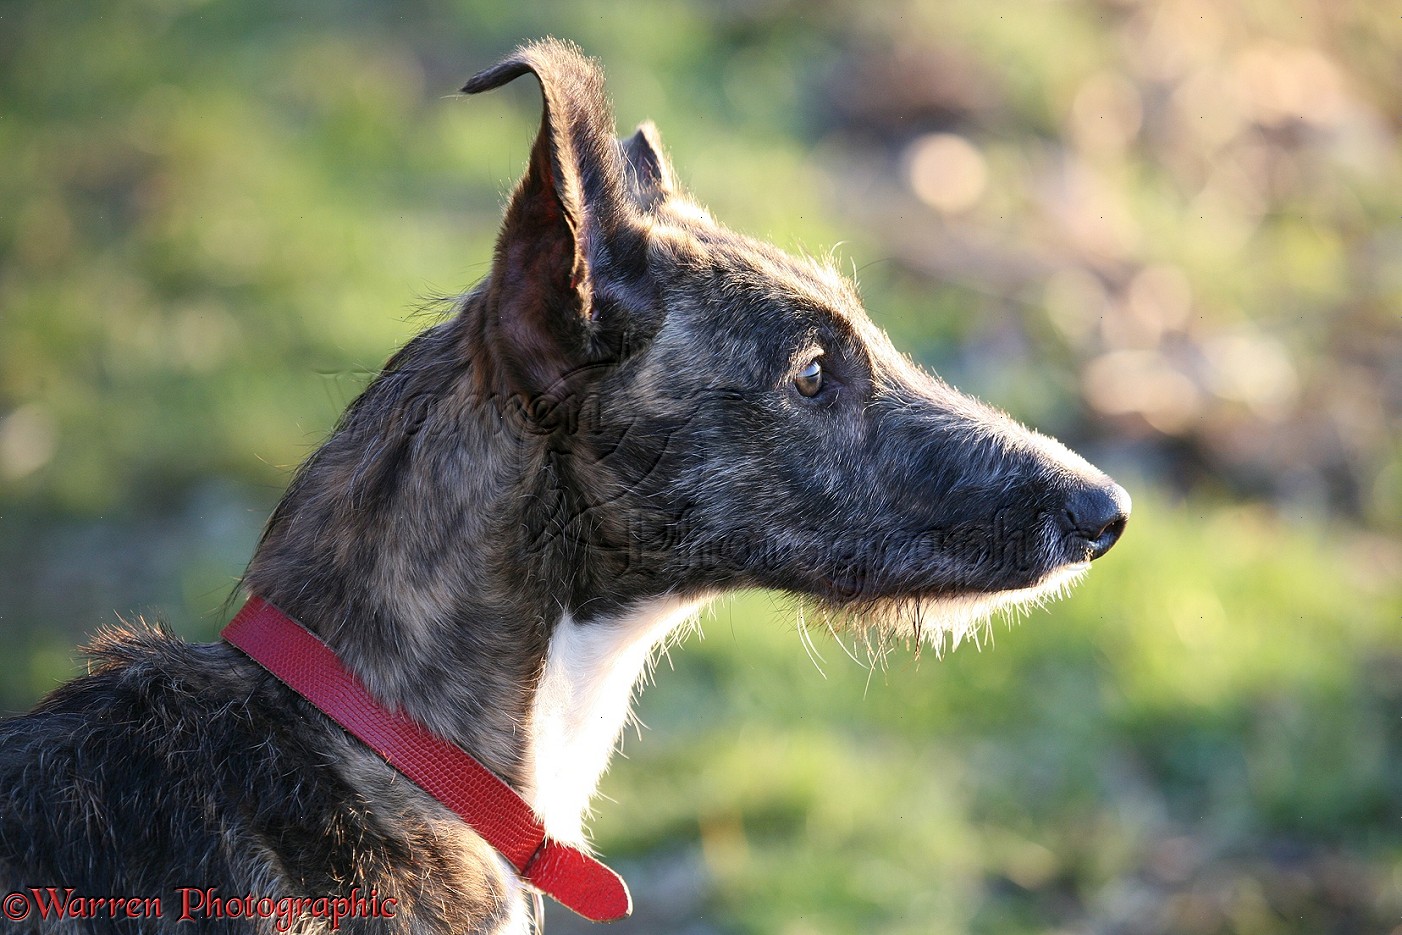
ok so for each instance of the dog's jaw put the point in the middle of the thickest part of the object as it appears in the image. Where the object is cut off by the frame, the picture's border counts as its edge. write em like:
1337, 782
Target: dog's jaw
582, 701
966, 617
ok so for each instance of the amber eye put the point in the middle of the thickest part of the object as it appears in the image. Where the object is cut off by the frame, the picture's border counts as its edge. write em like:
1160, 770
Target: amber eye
810, 379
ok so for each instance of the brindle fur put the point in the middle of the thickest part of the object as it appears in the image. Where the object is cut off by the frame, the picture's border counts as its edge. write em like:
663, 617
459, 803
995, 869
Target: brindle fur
609, 417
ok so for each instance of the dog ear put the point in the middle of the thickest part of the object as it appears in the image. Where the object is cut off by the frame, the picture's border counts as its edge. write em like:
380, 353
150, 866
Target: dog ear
560, 220
650, 177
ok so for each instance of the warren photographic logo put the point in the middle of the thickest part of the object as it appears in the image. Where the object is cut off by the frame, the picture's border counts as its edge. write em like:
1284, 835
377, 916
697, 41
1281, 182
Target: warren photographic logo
195, 905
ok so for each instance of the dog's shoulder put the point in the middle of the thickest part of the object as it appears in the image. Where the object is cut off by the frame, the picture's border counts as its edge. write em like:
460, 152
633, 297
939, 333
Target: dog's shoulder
144, 688
185, 764
163, 748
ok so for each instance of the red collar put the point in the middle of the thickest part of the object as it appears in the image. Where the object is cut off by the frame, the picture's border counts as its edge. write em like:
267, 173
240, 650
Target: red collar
445, 771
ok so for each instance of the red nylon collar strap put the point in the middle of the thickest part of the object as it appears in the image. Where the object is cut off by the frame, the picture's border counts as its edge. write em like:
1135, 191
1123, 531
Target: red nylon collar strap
445, 771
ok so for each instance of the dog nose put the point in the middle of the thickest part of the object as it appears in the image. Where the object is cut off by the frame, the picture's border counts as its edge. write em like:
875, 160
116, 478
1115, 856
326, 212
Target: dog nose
1096, 515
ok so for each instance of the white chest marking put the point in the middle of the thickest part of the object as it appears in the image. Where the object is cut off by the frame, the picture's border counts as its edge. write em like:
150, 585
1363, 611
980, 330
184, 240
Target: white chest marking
582, 703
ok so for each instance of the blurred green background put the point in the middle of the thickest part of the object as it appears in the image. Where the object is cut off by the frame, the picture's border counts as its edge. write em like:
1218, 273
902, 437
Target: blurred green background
1168, 232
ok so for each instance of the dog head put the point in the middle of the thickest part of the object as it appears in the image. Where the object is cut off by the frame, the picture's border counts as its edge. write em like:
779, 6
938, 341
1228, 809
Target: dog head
719, 414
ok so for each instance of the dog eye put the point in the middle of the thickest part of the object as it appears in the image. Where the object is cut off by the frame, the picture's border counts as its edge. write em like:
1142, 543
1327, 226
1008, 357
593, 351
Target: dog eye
810, 379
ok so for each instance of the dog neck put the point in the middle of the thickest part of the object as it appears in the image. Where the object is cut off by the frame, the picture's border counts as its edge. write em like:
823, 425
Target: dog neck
582, 702
421, 544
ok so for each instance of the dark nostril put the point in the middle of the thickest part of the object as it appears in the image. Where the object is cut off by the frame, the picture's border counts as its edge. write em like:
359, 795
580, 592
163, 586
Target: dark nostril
1097, 516
1107, 537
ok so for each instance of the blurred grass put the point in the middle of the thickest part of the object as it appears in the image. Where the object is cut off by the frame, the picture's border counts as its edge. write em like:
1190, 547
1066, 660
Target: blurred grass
1190, 725
218, 218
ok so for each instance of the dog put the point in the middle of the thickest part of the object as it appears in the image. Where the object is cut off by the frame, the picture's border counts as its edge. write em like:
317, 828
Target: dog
637, 410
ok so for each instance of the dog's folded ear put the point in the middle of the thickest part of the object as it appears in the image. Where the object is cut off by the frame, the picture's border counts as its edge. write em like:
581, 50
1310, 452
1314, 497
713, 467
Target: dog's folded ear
566, 218
650, 174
